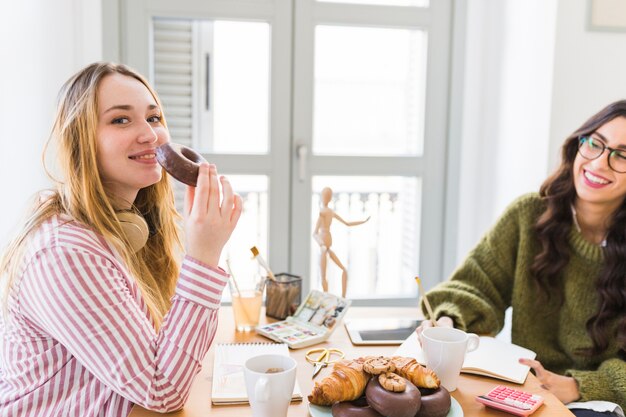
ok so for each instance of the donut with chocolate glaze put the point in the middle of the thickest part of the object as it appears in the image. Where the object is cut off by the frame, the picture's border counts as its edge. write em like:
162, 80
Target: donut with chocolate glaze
435, 402
393, 404
356, 408
180, 162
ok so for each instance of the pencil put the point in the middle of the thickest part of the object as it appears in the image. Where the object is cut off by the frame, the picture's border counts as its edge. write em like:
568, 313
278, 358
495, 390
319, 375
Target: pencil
426, 303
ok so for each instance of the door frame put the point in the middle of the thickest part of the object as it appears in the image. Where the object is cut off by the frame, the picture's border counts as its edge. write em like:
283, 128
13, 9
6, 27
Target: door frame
308, 13
290, 249
276, 164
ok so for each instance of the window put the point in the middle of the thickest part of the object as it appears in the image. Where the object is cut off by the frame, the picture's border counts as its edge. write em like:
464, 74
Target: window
369, 91
288, 97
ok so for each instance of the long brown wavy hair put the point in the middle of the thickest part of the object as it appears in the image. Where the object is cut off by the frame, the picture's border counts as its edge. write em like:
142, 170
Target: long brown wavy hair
83, 196
553, 229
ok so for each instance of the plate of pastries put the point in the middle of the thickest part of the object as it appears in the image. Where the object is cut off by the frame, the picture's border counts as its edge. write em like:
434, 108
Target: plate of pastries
380, 386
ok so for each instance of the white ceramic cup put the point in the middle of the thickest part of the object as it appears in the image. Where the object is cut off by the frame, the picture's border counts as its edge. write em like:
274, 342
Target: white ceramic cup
444, 351
270, 391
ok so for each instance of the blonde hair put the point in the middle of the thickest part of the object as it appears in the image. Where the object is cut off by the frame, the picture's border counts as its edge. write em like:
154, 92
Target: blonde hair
82, 195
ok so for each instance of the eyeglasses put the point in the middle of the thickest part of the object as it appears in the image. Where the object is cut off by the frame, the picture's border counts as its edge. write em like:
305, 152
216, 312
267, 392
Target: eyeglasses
592, 148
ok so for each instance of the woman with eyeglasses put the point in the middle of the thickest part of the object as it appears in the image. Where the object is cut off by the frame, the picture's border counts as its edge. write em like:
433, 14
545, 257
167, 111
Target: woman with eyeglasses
558, 258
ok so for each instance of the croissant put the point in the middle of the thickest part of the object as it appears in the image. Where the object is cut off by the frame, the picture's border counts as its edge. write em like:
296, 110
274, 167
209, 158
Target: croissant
346, 382
420, 376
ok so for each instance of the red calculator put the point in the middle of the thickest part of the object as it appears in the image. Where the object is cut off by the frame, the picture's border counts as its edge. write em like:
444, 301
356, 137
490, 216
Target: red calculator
511, 400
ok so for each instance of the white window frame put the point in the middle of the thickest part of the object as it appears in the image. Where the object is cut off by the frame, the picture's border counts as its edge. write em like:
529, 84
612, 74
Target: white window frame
431, 167
288, 127
132, 46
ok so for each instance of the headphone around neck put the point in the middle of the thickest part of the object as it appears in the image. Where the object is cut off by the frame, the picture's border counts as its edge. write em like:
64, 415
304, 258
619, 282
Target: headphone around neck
135, 228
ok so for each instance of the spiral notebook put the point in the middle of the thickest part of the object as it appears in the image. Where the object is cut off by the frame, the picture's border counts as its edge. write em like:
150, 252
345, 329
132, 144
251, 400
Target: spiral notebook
228, 385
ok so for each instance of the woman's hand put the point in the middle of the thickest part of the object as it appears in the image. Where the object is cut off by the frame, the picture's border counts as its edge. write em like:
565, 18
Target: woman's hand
209, 222
565, 388
443, 321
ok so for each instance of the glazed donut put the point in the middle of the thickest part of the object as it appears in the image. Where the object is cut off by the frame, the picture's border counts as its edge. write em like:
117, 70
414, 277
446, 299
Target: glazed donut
356, 408
393, 404
180, 162
435, 402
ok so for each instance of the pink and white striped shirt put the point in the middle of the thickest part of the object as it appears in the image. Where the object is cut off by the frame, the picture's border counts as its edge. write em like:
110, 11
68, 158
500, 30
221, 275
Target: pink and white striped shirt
78, 339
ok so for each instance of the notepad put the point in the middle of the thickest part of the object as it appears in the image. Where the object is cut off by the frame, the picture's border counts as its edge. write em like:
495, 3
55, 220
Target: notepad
228, 385
493, 358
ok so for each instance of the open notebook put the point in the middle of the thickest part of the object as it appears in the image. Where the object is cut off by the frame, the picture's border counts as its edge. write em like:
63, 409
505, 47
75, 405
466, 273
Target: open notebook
493, 358
228, 385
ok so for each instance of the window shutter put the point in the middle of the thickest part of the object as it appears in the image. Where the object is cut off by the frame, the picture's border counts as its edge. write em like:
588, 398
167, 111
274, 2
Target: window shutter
174, 81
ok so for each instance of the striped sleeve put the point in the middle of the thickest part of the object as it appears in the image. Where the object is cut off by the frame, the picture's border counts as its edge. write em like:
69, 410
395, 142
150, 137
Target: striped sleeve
83, 300
200, 283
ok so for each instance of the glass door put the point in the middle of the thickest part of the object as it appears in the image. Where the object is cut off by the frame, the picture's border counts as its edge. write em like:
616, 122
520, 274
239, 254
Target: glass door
370, 105
288, 97
222, 71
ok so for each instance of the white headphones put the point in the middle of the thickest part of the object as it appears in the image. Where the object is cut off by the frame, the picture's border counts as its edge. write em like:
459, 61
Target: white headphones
135, 228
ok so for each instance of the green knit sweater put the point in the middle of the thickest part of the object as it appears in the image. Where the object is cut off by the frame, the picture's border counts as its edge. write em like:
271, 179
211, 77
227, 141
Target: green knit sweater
496, 275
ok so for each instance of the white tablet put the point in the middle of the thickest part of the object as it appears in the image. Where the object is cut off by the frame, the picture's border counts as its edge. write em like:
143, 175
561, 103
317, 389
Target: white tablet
381, 331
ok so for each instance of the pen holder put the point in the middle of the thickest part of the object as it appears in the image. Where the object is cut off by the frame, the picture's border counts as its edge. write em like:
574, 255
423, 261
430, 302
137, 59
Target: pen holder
282, 296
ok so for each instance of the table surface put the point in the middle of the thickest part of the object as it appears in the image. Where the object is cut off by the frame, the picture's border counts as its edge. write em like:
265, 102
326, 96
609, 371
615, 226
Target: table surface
199, 402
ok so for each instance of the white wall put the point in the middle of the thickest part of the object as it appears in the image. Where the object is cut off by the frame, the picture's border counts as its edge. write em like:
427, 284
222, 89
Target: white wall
589, 71
534, 70
42, 43
506, 104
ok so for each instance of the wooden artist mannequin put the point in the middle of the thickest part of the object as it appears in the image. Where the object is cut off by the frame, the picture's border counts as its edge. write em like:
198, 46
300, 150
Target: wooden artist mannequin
323, 237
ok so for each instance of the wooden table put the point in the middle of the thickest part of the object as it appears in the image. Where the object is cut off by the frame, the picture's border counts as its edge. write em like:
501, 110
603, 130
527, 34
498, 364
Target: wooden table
199, 403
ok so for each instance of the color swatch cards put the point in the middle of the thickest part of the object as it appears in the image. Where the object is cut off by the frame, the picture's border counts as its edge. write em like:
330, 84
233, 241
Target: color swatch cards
313, 322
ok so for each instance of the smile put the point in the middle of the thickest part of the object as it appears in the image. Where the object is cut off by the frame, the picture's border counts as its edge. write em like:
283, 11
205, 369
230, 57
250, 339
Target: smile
146, 156
595, 179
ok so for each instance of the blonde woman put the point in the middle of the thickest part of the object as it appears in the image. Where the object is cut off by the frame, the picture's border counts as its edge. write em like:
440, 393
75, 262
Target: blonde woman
94, 321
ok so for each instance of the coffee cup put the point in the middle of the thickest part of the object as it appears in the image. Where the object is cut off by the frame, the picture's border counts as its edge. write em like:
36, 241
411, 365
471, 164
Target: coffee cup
270, 380
444, 351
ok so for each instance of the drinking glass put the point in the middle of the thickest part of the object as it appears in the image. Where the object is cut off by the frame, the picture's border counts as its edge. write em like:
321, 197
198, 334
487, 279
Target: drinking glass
247, 298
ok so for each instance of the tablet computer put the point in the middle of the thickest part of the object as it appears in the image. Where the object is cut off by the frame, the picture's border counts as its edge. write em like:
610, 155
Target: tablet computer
380, 331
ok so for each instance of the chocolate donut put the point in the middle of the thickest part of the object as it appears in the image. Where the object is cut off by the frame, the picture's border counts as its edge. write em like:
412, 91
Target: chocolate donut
435, 402
356, 408
393, 404
180, 162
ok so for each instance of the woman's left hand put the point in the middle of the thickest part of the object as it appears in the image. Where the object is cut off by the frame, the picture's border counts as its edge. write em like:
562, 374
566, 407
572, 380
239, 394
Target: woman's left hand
565, 388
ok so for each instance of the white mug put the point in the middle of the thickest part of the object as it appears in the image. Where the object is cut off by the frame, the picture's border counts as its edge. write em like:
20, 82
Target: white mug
269, 382
444, 351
